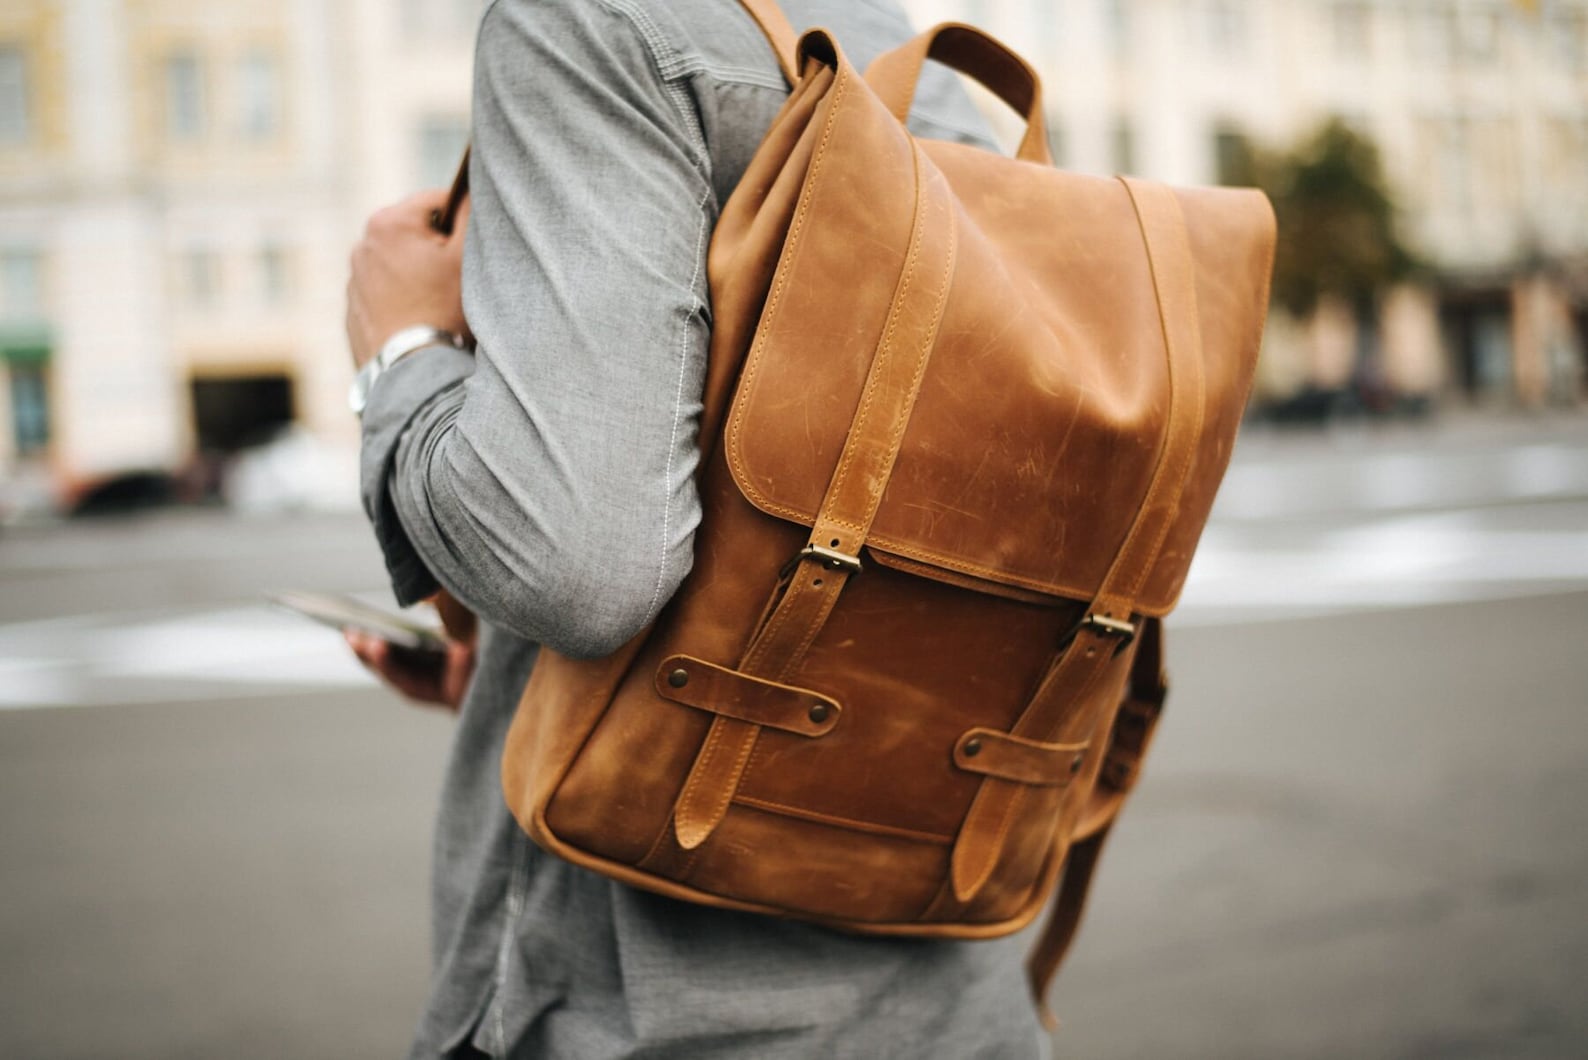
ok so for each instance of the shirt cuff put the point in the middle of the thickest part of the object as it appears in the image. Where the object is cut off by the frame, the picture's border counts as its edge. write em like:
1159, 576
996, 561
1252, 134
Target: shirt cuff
401, 394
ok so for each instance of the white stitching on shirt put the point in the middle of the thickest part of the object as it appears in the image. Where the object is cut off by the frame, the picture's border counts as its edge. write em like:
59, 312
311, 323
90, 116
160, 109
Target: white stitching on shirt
517, 891
678, 410
670, 67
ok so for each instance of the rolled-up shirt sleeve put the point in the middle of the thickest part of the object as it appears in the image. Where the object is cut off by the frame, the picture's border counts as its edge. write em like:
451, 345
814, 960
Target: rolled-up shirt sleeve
548, 481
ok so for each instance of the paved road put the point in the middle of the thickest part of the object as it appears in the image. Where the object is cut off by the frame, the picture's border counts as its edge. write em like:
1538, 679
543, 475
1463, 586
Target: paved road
1362, 832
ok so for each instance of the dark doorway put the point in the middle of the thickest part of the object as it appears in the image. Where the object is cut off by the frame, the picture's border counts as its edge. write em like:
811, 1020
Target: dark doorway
233, 412
1477, 325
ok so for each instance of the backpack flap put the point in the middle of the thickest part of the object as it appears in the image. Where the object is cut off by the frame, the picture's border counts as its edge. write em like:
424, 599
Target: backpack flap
1040, 414
1039, 418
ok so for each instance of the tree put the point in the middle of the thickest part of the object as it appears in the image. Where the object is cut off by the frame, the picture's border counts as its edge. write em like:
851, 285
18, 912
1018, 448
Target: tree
1337, 217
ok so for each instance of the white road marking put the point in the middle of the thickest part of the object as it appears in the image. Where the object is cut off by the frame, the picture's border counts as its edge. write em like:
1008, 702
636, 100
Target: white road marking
94, 660
1446, 557
1293, 535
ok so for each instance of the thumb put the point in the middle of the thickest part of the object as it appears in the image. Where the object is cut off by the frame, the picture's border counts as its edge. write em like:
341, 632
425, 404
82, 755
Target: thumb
460, 223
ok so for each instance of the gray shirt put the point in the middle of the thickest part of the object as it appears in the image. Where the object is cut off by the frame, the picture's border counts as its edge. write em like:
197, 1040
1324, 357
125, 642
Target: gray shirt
548, 482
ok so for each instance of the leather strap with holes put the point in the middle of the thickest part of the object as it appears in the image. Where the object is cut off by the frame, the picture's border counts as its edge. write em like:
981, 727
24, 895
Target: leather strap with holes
849, 506
1133, 727
1051, 715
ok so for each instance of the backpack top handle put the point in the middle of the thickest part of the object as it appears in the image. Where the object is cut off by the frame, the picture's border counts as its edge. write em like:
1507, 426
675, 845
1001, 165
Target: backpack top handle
894, 75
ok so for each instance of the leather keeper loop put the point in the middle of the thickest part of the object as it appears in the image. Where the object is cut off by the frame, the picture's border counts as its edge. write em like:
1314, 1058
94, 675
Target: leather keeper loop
730, 693
998, 754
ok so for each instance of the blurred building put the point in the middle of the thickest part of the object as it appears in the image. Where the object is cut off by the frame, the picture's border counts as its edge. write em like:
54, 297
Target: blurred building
180, 184
1479, 108
179, 187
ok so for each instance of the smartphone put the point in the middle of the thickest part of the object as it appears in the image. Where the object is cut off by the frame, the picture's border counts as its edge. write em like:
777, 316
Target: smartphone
344, 612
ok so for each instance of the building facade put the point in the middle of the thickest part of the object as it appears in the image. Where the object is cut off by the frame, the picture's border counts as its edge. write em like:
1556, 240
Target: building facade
1479, 109
179, 187
180, 184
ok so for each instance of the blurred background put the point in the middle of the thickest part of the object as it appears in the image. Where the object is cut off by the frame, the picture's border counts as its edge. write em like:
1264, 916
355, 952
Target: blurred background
1362, 831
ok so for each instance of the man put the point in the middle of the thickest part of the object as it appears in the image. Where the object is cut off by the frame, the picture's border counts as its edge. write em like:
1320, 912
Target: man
547, 481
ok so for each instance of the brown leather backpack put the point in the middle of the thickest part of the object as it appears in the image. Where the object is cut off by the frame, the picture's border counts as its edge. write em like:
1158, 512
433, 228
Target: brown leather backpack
964, 419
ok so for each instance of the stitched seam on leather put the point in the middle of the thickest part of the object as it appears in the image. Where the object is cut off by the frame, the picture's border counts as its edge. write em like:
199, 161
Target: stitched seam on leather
755, 658
996, 852
703, 762
1028, 718
885, 351
928, 342
782, 809
1097, 665
1168, 461
818, 621
901, 419
774, 302
1194, 402
720, 803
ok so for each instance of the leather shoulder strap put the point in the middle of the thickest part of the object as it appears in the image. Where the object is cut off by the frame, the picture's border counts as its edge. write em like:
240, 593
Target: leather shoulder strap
1132, 732
779, 33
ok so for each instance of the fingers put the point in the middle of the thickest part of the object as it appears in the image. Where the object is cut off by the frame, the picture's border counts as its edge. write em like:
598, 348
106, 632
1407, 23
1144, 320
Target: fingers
417, 675
408, 215
459, 671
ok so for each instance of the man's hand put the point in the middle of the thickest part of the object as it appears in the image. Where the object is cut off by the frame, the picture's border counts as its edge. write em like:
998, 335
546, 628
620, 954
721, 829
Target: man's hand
404, 272
440, 678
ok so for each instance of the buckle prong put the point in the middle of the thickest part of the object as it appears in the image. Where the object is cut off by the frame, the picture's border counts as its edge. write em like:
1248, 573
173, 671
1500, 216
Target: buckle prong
831, 558
1125, 631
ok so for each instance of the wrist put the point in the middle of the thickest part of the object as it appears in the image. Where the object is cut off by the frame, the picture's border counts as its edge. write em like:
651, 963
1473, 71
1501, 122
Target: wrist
397, 346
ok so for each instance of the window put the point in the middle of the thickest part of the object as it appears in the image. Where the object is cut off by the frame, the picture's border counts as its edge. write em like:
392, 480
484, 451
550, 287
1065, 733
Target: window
1445, 168
1124, 144
30, 406
259, 95
1226, 28
1479, 31
1568, 31
184, 96
275, 278
441, 142
21, 292
1351, 31
1433, 32
15, 108
201, 277
1116, 26
1232, 156
1565, 167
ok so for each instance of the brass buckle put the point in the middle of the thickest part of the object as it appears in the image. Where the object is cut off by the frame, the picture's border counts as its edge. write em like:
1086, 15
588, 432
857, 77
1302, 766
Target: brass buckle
1125, 631
831, 558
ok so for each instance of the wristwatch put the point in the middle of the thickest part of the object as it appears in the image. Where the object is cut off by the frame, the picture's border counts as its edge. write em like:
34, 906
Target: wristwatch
395, 349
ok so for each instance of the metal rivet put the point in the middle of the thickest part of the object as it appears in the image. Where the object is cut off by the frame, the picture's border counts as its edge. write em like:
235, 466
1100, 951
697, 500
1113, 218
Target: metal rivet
973, 747
1075, 764
678, 678
819, 713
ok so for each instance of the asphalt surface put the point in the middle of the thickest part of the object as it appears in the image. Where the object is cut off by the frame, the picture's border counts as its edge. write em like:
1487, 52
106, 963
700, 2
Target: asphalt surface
1363, 831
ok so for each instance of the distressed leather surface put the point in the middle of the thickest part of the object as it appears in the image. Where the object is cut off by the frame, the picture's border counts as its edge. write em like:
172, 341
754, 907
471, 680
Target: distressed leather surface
1009, 393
